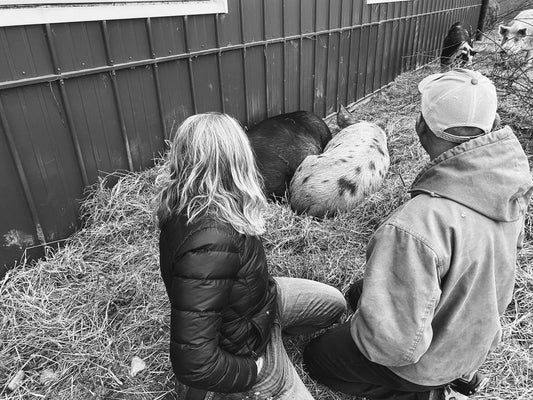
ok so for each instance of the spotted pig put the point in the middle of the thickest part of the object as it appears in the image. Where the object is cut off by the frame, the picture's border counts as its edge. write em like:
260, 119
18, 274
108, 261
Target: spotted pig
351, 167
517, 37
282, 142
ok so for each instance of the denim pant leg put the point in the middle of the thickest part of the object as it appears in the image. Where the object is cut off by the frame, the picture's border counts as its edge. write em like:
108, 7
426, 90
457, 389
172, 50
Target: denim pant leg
305, 306
278, 379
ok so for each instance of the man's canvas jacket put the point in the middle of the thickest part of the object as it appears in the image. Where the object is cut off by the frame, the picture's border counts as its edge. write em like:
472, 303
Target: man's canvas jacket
440, 270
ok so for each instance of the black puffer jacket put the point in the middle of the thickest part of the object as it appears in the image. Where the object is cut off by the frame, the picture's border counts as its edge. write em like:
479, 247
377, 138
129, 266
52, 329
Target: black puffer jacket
223, 303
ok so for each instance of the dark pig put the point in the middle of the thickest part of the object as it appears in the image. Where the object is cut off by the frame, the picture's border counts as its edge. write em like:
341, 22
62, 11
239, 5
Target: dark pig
457, 48
352, 166
282, 142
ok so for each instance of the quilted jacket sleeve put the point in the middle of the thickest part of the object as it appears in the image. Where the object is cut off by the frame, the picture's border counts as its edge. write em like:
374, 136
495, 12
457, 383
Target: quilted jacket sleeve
202, 278
392, 326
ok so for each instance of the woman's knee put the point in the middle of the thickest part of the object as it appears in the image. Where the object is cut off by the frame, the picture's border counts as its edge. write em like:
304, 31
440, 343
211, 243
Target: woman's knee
307, 303
339, 303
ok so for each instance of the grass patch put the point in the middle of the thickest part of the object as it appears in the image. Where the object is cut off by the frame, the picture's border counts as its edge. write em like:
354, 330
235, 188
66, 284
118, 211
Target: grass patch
74, 320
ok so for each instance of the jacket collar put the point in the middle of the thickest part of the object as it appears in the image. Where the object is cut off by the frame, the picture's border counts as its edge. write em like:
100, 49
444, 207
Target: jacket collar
489, 174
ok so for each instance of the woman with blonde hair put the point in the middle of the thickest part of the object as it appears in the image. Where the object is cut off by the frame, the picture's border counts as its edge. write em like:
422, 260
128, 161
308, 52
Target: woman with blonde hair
227, 312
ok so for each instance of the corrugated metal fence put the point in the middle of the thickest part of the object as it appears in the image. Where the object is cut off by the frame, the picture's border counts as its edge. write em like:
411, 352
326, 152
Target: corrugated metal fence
81, 99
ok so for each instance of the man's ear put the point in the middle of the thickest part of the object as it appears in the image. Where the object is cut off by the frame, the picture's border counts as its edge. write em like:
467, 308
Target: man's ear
497, 121
420, 125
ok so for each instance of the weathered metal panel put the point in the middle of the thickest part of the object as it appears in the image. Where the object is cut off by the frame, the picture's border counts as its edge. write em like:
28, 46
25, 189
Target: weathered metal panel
291, 75
408, 38
176, 93
98, 128
335, 8
370, 61
206, 83
200, 32
139, 105
332, 72
357, 18
230, 25
307, 73
35, 119
381, 46
168, 36
347, 11
252, 21
24, 53
396, 40
274, 78
345, 54
274, 22
128, 40
291, 17
291, 56
321, 62
78, 46
20, 229
343, 69
81, 99
256, 85
307, 16
355, 41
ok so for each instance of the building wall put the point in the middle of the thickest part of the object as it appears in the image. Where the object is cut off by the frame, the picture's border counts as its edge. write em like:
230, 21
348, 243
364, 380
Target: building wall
78, 100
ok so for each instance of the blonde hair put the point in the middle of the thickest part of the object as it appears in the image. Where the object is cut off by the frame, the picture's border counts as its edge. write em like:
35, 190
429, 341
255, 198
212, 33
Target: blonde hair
213, 172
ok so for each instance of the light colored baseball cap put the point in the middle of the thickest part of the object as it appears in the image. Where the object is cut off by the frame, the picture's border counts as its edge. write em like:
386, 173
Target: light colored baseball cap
458, 98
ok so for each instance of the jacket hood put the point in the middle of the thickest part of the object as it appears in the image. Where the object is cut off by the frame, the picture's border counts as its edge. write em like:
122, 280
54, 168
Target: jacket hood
489, 174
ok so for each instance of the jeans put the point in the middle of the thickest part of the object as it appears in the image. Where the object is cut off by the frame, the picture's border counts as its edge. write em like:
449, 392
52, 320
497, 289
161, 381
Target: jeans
334, 360
304, 307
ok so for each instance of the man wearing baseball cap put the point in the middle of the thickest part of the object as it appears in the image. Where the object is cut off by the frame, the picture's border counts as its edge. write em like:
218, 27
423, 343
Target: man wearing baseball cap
440, 270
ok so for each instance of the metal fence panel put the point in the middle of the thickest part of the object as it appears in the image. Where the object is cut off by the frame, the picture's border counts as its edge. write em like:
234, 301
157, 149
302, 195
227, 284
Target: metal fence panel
24, 53
97, 126
274, 56
78, 100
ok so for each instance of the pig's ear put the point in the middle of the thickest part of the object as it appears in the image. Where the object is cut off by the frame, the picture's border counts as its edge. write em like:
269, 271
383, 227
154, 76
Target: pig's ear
522, 32
345, 118
503, 30
382, 124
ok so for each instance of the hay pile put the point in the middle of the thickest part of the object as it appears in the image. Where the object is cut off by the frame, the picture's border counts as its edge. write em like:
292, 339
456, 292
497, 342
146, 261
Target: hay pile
74, 321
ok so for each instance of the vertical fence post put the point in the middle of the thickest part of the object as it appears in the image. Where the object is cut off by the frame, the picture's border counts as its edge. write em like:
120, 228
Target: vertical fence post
245, 71
116, 95
219, 62
265, 53
155, 69
66, 107
22, 175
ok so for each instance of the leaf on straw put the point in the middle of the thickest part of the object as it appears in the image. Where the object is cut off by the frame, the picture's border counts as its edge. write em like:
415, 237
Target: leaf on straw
137, 365
48, 376
17, 381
